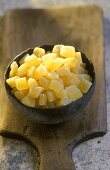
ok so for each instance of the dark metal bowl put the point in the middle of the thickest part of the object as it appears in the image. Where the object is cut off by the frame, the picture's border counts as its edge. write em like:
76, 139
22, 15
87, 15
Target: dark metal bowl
52, 115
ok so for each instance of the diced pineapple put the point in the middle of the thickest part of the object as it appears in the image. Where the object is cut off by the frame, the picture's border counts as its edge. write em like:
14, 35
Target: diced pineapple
85, 76
22, 70
39, 52
44, 82
42, 100
14, 69
58, 62
31, 72
83, 65
32, 83
28, 101
56, 49
32, 60
63, 71
50, 96
14, 90
21, 83
63, 102
35, 92
52, 76
84, 85
21, 94
40, 71
75, 79
73, 92
11, 81
82, 70
78, 56
61, 94
76, 66
69, 62
23, 59
67, 51
48, 59
56, 85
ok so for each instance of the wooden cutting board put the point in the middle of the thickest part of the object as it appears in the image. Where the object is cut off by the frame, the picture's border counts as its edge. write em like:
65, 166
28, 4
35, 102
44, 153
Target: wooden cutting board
78, 26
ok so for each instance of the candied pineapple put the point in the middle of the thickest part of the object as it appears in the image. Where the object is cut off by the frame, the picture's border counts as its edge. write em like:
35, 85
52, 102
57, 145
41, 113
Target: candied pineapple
44, 82
63, 102
32, 83
56, 49
22, 70
39, 52
35, 92
63, 71
52, 76
21, 83
31, 72
67, 51
50, 96
42, 100
57, 63
40, 71
21, 94
73, 92
14, 69
78, 56
28, 101
48, 59
82, 70
84, 85
11, 81
56, 85
85, 76
32, 60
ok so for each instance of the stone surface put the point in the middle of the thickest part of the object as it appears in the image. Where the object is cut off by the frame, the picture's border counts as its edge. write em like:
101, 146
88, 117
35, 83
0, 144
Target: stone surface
91, 155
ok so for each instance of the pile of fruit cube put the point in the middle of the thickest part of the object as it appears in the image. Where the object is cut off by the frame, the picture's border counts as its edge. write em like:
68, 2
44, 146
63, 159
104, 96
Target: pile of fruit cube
49, 79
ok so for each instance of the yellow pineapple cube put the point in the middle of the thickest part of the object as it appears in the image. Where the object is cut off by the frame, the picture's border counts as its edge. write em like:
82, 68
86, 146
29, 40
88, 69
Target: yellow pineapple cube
69, 62
14, 90
44, 82
85, 76
35, 92
32, 60
48, 59
21, 94
32, 83
63, 71
31, 72
42, 100
61, 94
75, 79
63, 102
14, 69
82, 70
22, 70
21, 83
84, 85
58, 62
76, 66
28, 101
73, 92
56, 85
11, 81
40, 71
78, 56
56, 49
67, 51
50, 96
39, 52
22, 61
52, 76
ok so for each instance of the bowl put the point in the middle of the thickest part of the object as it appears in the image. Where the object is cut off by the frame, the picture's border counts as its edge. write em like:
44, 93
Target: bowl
57, 114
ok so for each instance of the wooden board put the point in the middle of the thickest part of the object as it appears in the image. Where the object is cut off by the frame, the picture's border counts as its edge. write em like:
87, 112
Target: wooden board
78, 26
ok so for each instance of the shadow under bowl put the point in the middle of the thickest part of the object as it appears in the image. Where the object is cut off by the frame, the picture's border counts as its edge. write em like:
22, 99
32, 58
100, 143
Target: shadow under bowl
57, 114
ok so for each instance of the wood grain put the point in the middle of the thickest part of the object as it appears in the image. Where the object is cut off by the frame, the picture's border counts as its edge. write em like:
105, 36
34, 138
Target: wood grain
78, 26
